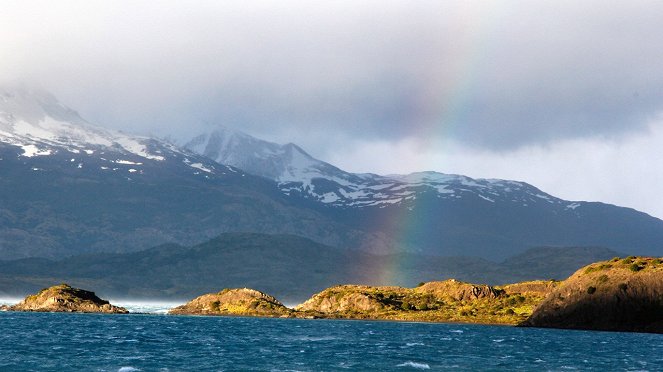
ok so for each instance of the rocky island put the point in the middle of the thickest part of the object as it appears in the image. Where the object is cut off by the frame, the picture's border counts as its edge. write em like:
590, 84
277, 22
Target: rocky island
238, 301
64, 298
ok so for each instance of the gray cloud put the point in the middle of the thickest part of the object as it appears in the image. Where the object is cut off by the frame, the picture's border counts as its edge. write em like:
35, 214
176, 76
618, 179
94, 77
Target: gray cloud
496, 75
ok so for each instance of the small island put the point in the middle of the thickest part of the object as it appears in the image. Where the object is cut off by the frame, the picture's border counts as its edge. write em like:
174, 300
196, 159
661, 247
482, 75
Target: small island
239, 301
64, 298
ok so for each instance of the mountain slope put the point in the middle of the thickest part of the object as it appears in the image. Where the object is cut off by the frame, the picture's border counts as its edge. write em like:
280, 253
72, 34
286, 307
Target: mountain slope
435, 213
68, 187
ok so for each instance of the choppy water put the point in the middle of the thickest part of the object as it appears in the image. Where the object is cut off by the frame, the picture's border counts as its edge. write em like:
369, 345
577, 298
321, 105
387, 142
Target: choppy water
92, 342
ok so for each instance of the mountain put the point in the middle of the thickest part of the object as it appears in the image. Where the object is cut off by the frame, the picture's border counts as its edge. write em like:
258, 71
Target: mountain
69, 187
435, 213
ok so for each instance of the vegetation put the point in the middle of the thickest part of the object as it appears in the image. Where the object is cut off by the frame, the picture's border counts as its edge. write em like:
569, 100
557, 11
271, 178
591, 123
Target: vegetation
448, 301
619, 295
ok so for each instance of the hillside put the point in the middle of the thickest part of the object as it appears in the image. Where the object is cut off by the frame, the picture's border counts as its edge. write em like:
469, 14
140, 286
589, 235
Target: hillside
446, 301
616, 295
286, 266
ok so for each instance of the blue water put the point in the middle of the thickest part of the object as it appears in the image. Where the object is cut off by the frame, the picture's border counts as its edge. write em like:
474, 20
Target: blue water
91, 342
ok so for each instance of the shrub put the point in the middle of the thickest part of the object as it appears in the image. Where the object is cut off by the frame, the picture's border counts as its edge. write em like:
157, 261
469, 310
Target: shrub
656, 261
602, 279
614, 259
590, 269
510, 312
591, 290
215, 305
635, 267
622, 286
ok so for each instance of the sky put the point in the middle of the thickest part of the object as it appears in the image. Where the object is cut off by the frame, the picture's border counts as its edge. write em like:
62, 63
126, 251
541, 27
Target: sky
565, 95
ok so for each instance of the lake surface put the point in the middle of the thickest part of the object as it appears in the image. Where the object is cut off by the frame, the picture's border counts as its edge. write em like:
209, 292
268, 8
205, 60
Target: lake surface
93, 342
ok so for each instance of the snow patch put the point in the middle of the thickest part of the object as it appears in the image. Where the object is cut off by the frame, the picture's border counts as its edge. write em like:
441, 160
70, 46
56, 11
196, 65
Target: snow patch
485, 198
127, 162
201, 167
32, 150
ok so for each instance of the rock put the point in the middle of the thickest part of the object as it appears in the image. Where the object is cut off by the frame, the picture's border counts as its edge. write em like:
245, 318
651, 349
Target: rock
458, 291
64, 298
240, 301
616, 295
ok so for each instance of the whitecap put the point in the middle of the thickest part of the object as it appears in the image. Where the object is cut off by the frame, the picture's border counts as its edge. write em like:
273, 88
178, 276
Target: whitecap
128, 369
498, 340
414, 365
456, 331
414, 344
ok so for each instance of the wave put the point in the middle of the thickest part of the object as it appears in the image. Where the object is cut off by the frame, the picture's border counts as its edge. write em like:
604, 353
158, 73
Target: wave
414, 365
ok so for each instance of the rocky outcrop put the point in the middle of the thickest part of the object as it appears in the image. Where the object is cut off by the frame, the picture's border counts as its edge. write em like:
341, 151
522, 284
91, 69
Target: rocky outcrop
240, 301
448, 300
616, 295
64, 298
458, 291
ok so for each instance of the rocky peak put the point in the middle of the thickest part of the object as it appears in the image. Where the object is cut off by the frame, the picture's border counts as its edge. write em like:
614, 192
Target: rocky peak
459, 291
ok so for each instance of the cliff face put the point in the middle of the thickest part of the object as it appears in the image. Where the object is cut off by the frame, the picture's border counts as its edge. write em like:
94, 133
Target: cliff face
63, 298
242, 301
616, 295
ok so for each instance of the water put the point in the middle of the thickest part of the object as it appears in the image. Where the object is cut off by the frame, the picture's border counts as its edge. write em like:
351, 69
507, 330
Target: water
93, 342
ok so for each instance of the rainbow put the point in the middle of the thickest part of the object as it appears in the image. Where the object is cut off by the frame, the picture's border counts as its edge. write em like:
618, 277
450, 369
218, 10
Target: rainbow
449, 92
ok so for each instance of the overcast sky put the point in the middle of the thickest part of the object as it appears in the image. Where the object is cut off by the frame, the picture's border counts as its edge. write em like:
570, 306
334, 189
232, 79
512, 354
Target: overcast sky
566, 95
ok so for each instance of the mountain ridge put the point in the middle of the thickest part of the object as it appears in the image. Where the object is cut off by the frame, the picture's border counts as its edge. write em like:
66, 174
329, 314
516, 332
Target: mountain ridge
68, 187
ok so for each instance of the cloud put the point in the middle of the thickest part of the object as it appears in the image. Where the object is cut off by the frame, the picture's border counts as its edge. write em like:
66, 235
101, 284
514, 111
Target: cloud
500, 76
564, 95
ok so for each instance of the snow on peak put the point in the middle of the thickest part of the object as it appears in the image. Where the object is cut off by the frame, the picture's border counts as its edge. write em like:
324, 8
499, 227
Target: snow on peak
297, 172
37, 122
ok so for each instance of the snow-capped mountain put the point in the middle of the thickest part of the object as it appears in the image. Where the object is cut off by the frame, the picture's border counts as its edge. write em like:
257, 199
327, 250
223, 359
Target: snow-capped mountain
70, 187
37, 123
296, 172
